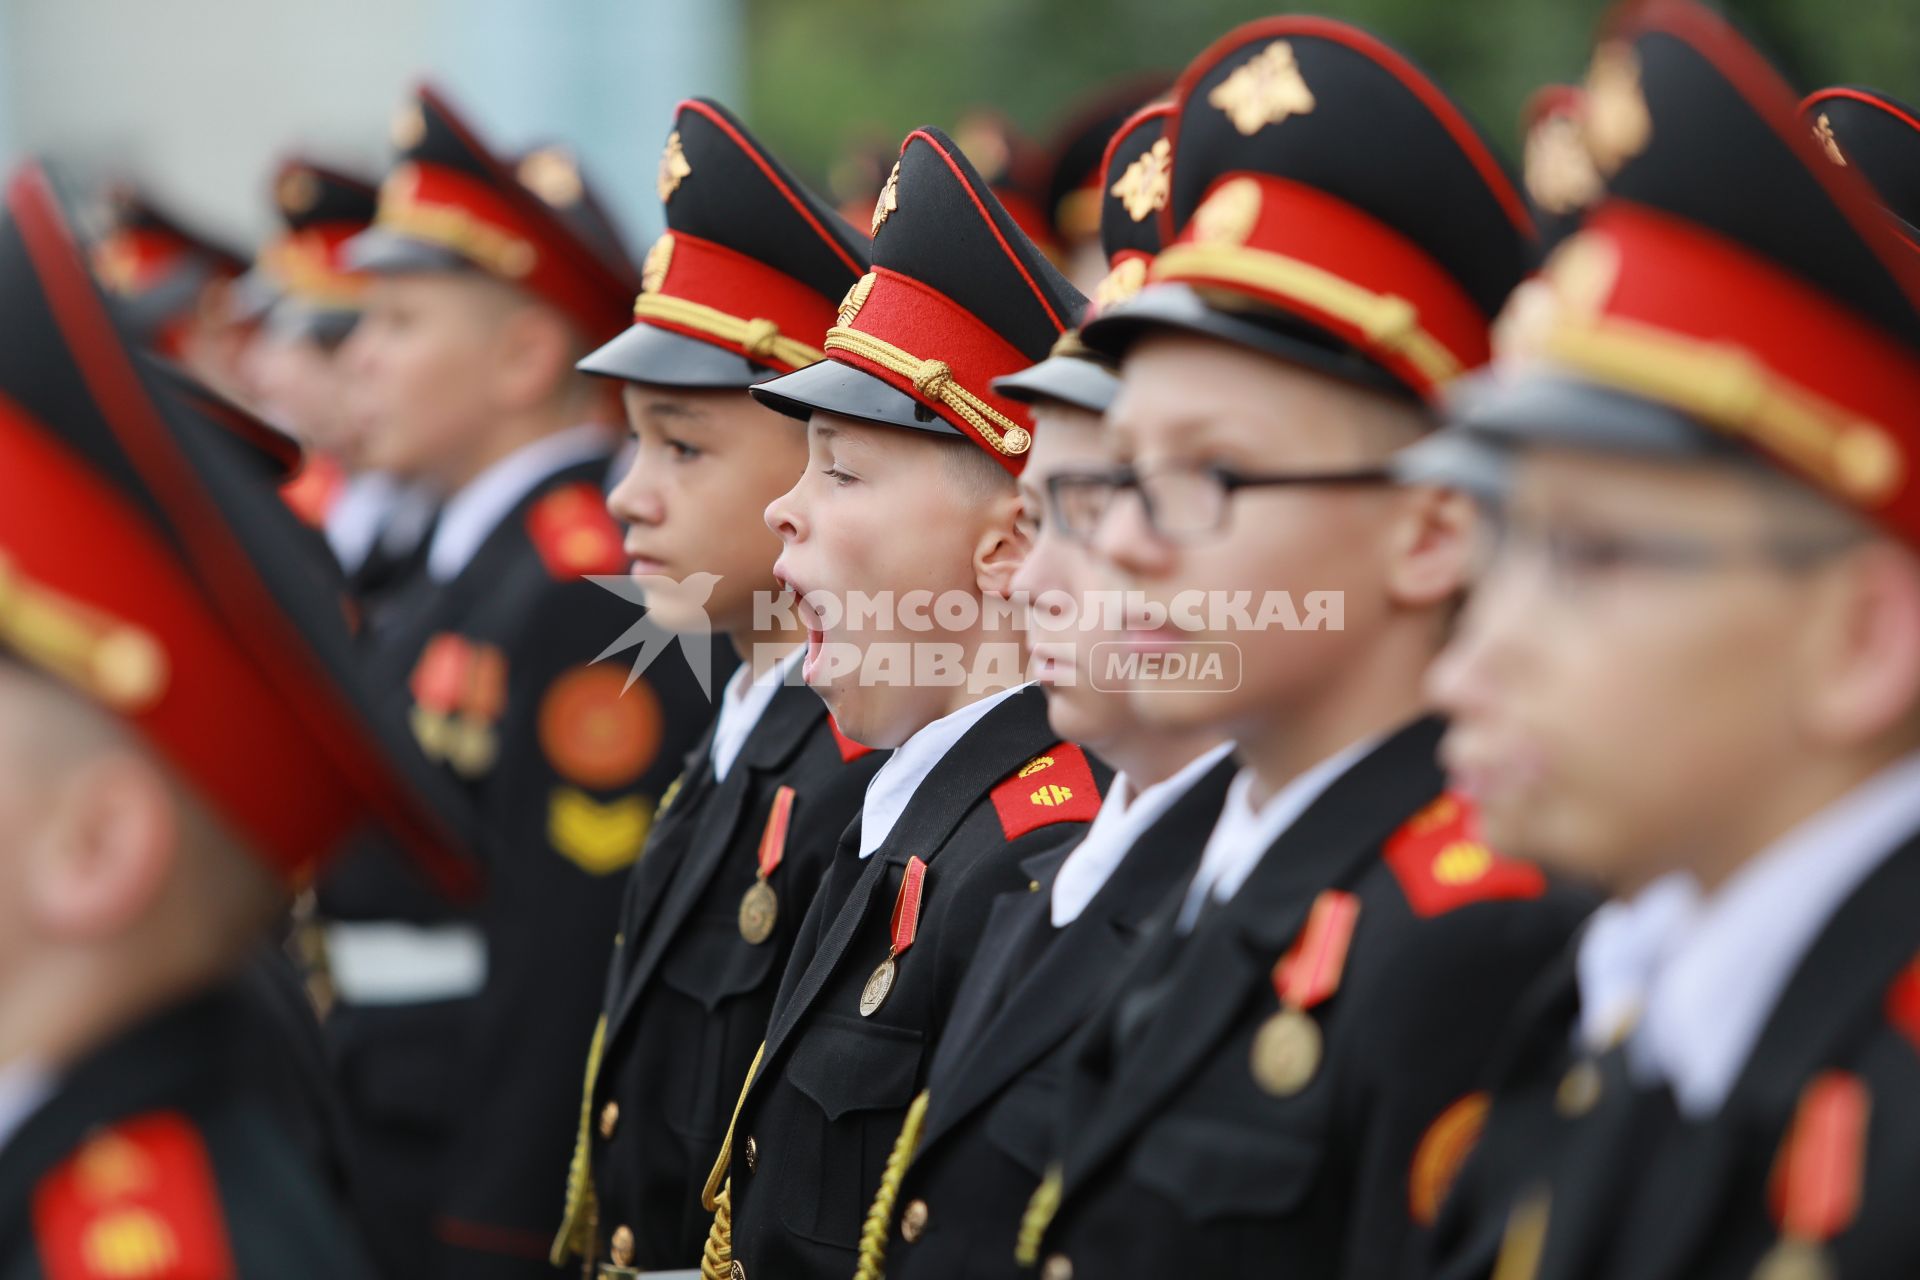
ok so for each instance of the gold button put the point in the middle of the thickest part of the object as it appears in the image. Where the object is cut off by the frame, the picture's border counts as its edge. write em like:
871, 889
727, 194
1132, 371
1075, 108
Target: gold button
753, 1154
913, 1221
1579, 1090
1058, 1267
609, 1118
622, 1246
738, 1271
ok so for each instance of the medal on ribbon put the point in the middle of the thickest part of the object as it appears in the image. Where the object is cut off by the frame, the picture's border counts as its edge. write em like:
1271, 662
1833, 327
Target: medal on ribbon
1288, 1047
1817, 1176
760, 906
906, 923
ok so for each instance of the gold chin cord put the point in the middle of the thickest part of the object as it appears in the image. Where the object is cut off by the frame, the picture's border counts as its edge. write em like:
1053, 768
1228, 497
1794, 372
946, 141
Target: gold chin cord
934, 380
576, 1225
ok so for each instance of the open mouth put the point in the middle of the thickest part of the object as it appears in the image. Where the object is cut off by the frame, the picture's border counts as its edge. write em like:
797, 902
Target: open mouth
810, 619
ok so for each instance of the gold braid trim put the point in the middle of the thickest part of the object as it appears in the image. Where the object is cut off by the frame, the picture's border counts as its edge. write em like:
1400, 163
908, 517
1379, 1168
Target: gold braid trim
576, 1224
1728, 388
111, 661
500, 252
759, 339
879, 1223
934, 380
716, 1260
1038, 1217
1389, 322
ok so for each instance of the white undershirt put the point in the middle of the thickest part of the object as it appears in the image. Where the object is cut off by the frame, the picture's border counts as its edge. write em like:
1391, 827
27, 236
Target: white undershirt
1720, 962
891, 789
743, 702
1122, 819
477, 510
1243, 834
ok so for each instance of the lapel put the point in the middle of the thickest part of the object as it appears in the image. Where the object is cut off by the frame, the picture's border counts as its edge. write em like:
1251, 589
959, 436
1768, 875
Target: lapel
1043, 1008
1012, 928
1226, 960
1005, 737
783, 727
1832, 1001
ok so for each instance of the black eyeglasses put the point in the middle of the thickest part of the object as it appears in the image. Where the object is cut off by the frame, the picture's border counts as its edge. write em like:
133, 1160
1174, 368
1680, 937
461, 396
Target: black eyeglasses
1573, 558
1182, 501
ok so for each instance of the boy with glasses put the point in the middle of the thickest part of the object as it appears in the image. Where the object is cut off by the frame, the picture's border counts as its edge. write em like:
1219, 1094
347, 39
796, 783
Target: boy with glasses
1287, 1071
1690, 675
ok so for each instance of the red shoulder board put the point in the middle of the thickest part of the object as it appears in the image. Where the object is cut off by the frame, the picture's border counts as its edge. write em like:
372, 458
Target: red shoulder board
1903, 1002
574, 534
1055, 786
849, 749
137, 1202
1441, 864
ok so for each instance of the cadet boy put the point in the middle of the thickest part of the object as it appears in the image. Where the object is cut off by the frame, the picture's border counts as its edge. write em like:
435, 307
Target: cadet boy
180, 741
992, 1087
1287, 1071
742, 287
1691, 674
909, 487
460, 1037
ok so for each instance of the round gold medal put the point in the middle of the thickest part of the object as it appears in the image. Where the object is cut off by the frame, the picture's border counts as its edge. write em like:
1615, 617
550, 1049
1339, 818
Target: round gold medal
1286, 1053
1794, 1260
879, 983
759, 908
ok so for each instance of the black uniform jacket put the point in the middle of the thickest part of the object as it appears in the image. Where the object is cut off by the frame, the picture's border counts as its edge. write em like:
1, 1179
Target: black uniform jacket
688, 995
1585, 1170
462, 1110
165, 1153
833, 1087
995, 1081
1176, 1160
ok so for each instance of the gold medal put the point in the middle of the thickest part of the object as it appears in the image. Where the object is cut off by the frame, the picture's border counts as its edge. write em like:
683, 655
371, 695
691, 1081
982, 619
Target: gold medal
759, 908
879, 983
1794, 1260
1286, 1053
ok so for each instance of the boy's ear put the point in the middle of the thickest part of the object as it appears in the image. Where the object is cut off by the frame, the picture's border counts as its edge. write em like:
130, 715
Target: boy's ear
1430, 547
533, 355
1002, 546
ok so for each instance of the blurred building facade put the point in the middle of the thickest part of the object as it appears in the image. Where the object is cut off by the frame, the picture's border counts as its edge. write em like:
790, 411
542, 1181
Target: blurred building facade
196, 98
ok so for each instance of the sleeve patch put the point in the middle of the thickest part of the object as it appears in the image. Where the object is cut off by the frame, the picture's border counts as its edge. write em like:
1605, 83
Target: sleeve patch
598, 838
596, 730
1055, 786
574, 534
1445, 1146
137, 1202
849, 749
1441, 864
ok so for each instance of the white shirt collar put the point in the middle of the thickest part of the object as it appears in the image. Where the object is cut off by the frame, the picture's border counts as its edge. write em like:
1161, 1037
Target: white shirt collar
890, 789
1622, 946
354, 521
1711, 994
1243, 834
24, 1086
1122, 819
744, 701
477, 510
375, 509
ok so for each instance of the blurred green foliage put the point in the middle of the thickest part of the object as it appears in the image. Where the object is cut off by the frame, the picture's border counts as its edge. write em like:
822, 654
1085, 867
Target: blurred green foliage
823, 72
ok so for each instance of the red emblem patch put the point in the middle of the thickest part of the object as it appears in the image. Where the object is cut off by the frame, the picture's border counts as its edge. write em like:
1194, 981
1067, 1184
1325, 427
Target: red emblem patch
574, 534
1055, 786
597, 732
137, 1202
1441, 864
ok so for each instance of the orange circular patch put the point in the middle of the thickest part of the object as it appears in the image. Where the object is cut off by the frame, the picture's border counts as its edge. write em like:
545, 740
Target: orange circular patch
593, 733
1444, 1148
